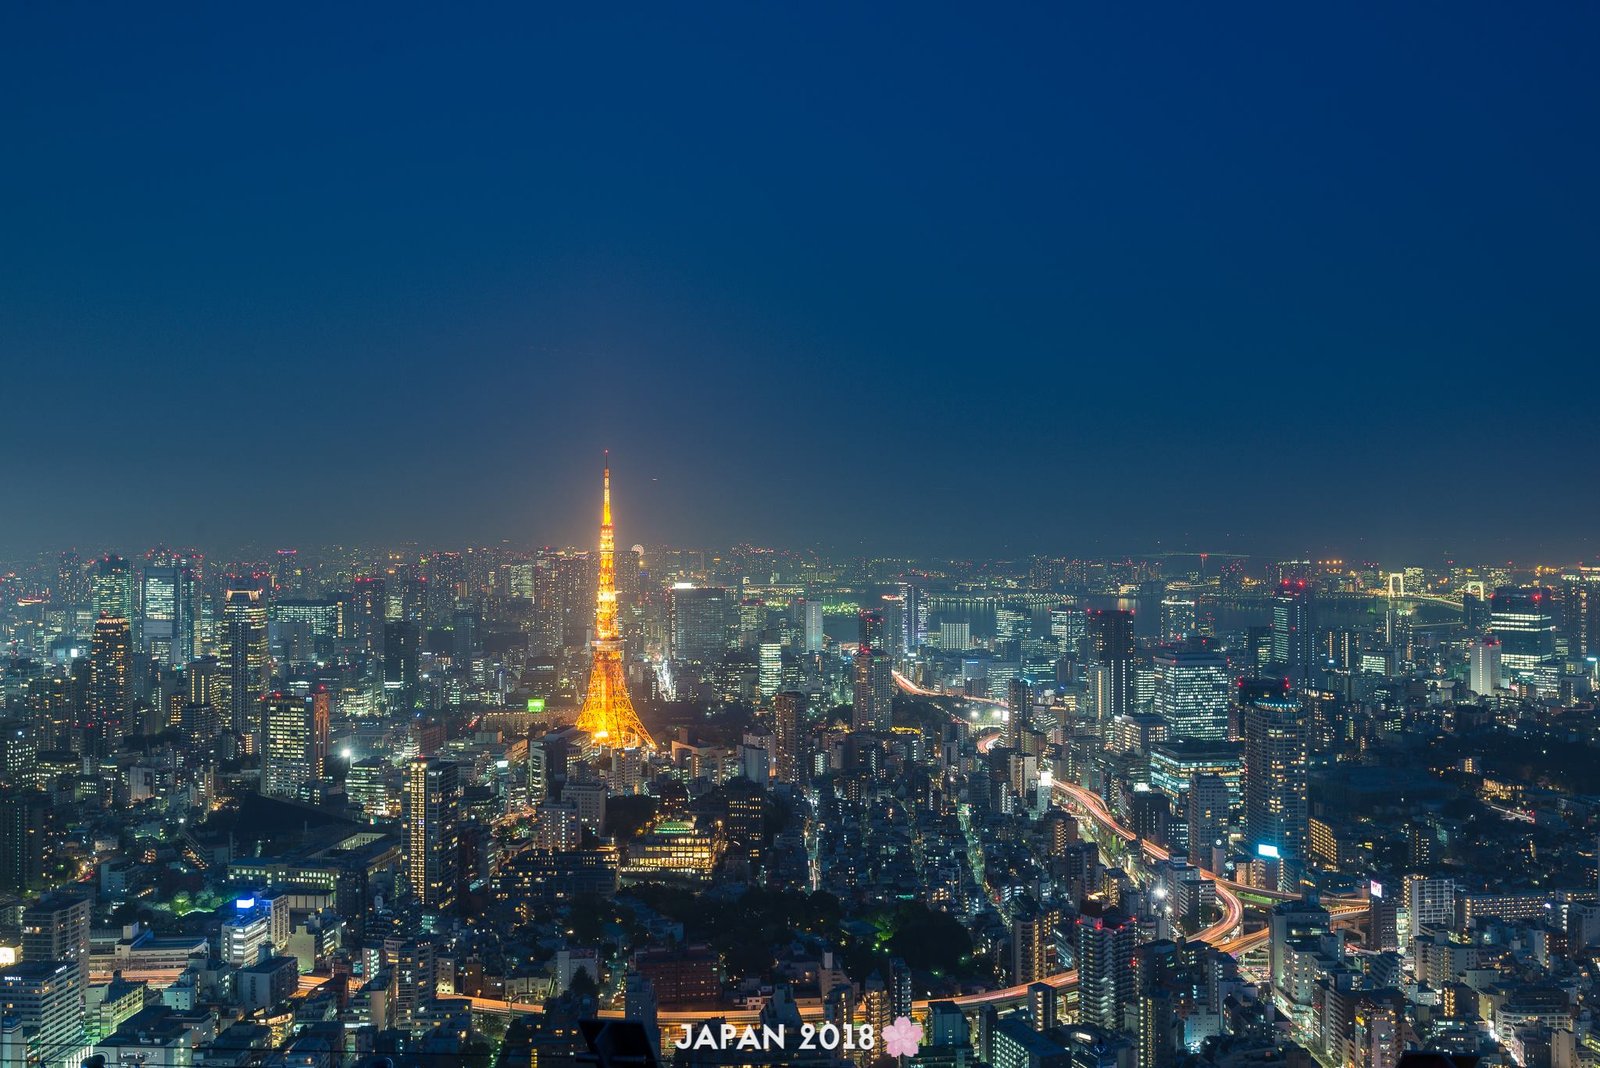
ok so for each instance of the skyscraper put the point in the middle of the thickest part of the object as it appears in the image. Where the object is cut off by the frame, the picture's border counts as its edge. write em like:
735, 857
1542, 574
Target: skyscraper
1019, 701
1113, 685
1293, 925
1580, 611
1105, 967
788, 712
607, 715
1208, 817
368, 602
872, 632
26, 840
294, 742
1191, 690
113, 588
813, 626
1275, 802
73, 587
431, 792
1067, 627
110, 681
914, 618
769, 668
874, 681
701, 623
1483, 665
1293, 633
402, 663
245, 664
1524, 621
447, 584
159, 615
205, 692
892, 640
874, 690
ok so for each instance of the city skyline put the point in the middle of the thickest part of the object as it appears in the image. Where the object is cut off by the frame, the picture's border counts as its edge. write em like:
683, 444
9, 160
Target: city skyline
1118, 572
263, 549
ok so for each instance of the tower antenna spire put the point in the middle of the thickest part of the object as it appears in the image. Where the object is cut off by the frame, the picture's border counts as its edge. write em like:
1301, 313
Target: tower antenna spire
607, 714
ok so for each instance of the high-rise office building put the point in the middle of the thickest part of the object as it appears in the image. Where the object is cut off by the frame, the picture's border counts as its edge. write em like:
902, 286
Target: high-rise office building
431, 793
769, 668
73, 586
402, 663
294, 742
812, 626
702, 623
1276, 737
955, 637
892, 641
446, 586
563, 600
1191, 684
1524, 621
1105, 944
872, 630
288, 574
1474, 614
1179, 619
205, 694
113, 588
302, 631
369, 599
639, 1003
914, 617
246, 666
1208, 817
1068, 627
1483, 665
1293, 633
159, 609
1112, 677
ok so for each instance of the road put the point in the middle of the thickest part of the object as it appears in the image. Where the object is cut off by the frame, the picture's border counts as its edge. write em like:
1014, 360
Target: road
912, 688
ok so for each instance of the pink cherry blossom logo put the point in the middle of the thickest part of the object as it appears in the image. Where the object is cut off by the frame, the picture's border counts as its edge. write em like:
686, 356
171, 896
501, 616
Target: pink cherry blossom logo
901, 1038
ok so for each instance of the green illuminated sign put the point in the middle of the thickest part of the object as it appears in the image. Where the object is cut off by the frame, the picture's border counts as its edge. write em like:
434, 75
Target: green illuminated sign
536, 704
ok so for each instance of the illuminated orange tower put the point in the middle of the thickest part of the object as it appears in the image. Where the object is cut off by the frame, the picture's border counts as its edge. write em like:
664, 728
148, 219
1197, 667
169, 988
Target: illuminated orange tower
608, 716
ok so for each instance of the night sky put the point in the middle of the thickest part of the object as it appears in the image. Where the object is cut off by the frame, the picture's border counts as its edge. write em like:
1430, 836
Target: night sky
978, 280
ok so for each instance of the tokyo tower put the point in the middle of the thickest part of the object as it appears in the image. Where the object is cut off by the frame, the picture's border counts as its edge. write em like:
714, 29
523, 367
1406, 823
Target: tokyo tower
607, 715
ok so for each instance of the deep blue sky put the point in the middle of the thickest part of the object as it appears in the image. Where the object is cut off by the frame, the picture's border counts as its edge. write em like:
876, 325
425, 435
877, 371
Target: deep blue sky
1067, 277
